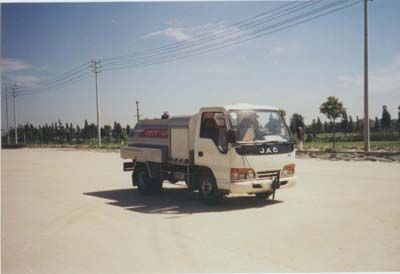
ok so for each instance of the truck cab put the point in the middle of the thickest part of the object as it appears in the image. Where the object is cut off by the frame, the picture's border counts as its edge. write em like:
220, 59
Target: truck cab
242, 149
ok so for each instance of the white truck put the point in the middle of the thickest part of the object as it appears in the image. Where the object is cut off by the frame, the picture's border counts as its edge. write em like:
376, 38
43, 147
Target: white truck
220, 150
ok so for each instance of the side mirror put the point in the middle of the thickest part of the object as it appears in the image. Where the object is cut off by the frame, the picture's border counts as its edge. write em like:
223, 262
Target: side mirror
231, 136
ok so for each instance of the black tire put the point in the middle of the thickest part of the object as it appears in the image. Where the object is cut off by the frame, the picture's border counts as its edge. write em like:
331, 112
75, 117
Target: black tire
208, 189
156, 185
263, 195
145, 184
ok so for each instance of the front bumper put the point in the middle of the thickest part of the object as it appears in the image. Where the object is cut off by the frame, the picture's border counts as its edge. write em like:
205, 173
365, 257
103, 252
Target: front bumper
260, 186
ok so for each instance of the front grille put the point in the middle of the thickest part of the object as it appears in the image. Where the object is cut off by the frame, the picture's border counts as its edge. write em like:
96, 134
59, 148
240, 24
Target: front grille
270, 174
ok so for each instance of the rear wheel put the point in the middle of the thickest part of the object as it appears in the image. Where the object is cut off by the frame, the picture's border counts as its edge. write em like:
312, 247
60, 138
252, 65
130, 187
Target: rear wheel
208, 189
146, 185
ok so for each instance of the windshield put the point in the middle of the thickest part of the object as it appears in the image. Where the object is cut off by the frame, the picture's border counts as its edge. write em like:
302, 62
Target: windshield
259, 126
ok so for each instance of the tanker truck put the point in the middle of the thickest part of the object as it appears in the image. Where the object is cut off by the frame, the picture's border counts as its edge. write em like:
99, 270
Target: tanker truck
237, 149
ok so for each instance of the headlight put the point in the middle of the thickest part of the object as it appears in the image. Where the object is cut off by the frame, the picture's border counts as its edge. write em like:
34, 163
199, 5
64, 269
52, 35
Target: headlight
288, 170
242, 174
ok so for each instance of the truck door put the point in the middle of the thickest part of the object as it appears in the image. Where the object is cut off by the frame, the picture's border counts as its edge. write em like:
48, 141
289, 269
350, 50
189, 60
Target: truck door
211, 147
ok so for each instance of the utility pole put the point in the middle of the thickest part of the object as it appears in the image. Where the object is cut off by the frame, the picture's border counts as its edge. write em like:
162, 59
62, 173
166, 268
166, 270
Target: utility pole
137, 112
96, 69
8, 134
14, 95
366, 115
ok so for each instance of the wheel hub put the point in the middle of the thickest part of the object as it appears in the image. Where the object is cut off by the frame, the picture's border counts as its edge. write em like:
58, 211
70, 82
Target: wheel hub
206, 187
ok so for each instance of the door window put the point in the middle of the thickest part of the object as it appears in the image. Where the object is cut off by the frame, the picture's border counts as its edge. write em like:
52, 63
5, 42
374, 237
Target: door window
213, 127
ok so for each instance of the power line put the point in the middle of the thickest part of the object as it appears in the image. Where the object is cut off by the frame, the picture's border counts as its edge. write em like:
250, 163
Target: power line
172, 53
231, 42
72, 74
227, 42
59, 85
229, 33
164, 54
189, 48
203, 35
77, 73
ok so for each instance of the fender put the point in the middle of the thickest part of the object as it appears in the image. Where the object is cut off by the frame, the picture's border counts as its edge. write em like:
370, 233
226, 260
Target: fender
154, 169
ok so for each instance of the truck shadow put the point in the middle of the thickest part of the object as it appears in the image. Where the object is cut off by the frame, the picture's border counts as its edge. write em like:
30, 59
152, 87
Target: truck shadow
175, 201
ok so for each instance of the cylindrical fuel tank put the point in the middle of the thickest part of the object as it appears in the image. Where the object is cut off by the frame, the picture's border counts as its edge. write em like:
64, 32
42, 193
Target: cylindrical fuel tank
155, 132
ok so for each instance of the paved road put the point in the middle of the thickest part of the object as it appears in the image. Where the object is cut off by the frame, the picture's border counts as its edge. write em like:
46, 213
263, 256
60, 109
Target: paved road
74, 212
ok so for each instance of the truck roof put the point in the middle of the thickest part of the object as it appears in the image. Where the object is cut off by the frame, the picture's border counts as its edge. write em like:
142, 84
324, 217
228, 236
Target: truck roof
183, 120
243, 106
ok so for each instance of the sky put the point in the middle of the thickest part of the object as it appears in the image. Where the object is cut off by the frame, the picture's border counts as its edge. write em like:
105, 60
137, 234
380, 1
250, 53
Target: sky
294, 69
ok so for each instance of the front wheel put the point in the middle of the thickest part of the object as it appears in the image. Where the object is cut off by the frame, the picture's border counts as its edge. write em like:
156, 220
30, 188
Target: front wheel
146, 185
208, 189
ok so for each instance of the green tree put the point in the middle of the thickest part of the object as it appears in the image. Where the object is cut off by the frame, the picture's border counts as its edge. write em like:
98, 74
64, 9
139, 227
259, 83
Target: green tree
117, 132
296, 121
45, 136
326, 127
344, 124
106, 133
62, 132
314, 127
53, 132
319, 125
92, 132
386, 120
39, 134
333, 109
398, 120
21, 134
124, 136
71, 133
358, 124
376, 124
351, 124
78, 134
282, 112
85, 131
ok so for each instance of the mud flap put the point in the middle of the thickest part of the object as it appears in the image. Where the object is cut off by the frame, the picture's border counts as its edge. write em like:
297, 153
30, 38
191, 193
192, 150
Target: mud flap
276, 183
129, 166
